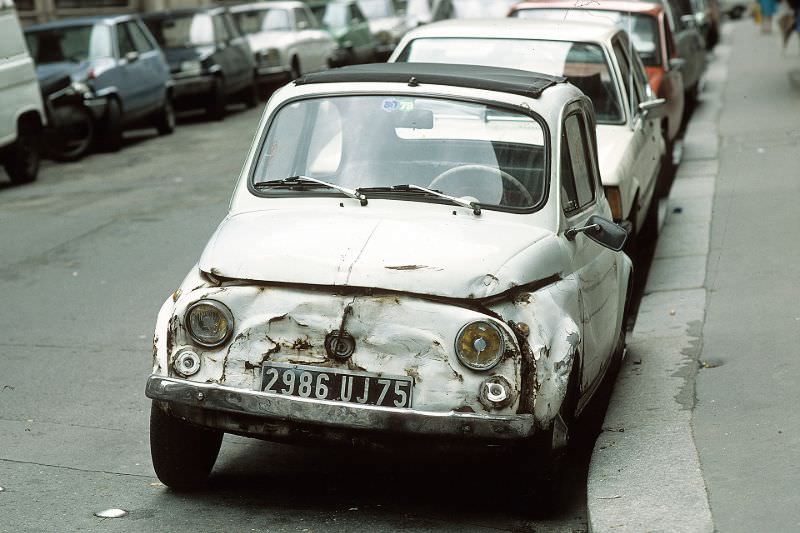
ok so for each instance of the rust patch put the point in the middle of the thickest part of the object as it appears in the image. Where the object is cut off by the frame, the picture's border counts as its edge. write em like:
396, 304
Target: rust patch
413, 372
302, 344
464, 409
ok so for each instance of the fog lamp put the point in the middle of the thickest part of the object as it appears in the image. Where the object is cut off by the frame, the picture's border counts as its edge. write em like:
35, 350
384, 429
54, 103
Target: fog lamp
480, 345
187, 363
209, 323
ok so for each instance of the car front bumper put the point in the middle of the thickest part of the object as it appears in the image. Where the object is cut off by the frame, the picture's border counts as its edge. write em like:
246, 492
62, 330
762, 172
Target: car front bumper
268, 415
187, 86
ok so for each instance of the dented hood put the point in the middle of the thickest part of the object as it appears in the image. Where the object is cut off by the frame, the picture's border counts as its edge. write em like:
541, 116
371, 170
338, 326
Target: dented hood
436, 254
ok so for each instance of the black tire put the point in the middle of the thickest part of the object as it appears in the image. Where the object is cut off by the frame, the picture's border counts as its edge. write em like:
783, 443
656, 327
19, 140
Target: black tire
250, 95
215, 109
21, 159
165, 120
183, 455
112, 128
70, 134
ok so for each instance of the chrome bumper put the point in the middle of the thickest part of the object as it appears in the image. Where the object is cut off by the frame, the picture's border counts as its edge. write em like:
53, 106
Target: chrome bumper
294, 410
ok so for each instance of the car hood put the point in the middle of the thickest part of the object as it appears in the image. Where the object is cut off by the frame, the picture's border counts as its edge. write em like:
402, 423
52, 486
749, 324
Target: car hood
48, 72
264, 40
612, 147
439, 255
389, 24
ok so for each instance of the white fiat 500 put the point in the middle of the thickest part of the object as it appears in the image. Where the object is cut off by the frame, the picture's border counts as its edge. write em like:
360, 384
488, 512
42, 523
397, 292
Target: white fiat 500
597, 58
412, 250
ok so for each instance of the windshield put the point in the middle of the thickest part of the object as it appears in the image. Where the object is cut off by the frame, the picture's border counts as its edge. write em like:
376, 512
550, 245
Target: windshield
486, 154
642, 28
584, 64
331, 15
182, 30
74, 44
260, 20
375, 9
472, 9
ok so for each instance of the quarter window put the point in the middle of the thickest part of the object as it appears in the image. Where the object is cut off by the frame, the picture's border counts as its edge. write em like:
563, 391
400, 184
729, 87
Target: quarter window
141, 41
577, 177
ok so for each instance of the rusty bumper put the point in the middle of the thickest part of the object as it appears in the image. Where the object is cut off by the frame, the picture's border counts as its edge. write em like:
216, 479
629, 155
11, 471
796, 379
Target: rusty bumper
190, 397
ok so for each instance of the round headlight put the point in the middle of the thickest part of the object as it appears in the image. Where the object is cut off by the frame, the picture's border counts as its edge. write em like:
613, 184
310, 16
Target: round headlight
209, 323
480, 345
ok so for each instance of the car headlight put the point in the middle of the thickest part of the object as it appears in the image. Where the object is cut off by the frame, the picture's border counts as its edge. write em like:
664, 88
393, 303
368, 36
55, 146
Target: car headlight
209, 323
80, 87
269, 56
191, 67
480, 345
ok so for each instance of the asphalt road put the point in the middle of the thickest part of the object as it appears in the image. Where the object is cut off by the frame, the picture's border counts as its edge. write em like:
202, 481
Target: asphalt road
87, 255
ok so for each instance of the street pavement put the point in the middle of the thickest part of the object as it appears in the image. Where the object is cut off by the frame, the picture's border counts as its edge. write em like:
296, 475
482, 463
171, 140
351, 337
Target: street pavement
701, 434
87, 255
746, 425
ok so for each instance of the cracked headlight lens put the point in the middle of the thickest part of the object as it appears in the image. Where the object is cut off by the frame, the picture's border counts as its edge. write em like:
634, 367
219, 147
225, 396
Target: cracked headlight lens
209, 323
480, 345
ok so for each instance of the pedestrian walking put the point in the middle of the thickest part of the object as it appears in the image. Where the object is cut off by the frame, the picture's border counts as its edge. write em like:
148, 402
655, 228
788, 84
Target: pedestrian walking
767, 9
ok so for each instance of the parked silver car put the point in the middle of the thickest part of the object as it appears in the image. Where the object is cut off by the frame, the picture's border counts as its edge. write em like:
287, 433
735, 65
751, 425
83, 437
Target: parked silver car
286, 38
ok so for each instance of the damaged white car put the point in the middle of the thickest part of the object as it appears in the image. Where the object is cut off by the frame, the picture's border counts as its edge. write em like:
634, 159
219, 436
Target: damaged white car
412, 250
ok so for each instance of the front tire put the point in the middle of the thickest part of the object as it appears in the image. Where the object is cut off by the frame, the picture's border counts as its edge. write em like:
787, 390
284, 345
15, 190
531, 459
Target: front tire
183, 454
112, 130
165, 121
70, 134
22, 158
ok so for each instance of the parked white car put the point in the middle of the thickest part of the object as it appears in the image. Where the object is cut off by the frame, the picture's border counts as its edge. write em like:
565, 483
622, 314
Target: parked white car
21, 111
599, 60
411, 251
386, 23
285, 37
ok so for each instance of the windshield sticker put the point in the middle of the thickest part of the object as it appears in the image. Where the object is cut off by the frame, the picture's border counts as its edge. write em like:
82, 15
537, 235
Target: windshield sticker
393, 104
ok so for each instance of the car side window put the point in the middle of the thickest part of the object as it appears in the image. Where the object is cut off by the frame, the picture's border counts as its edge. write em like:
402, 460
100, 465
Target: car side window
312, 19
140, 40
220, 31
124, 42
627, 80
233, 29
301, 21
577, 175
356, 17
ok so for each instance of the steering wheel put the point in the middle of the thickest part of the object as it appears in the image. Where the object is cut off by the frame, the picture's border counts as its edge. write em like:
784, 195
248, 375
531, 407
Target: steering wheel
449, 173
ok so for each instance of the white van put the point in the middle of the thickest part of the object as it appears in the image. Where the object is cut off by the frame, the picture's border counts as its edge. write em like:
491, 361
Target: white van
21, 112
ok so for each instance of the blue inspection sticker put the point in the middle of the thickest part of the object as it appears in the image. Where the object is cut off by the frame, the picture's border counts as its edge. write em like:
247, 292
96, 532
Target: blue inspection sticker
391, 105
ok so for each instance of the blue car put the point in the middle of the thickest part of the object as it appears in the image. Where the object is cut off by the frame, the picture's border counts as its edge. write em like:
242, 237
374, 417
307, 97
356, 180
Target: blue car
115, 65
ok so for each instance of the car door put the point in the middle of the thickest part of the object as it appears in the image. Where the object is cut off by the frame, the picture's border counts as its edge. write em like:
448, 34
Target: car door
151, 72
594, 266
360, 35
690, 46
305, 46
240, 51
126, 71
321, 41
226, 55
646, 145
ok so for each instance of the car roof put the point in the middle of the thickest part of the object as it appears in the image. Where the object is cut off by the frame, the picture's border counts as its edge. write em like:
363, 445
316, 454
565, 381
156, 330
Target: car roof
81, 21
290, 4
651, 8
514, 28
184, 11
520, 82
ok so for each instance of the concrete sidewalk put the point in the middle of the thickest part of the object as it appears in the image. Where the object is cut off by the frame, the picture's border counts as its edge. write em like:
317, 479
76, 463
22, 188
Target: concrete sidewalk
700, 434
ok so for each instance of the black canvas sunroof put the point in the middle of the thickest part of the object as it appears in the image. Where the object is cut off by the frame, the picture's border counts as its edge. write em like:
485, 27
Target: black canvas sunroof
506, 80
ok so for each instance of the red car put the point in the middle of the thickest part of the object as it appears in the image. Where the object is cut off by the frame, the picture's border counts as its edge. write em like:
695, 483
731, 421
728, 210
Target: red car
650, 34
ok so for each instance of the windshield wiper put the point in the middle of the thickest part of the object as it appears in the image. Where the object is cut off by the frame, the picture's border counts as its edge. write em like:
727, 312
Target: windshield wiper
475, 206
299, 180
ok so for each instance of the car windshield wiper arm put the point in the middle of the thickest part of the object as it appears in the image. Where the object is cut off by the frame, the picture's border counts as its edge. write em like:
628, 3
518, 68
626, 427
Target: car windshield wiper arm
355, 194
475, 206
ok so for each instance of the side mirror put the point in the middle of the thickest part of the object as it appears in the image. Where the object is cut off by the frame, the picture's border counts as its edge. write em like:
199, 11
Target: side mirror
677, 63
602, 231
132, 57
302, 25
652, 109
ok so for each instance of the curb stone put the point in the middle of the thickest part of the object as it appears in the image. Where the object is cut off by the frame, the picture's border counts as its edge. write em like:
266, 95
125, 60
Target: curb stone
645, 471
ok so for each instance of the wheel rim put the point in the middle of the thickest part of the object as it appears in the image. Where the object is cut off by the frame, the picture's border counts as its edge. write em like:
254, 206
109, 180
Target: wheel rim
74, 134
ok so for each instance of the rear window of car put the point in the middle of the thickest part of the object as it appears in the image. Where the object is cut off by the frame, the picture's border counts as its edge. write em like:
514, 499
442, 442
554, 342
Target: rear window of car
642, 28
182, 30
585, 64
70, 44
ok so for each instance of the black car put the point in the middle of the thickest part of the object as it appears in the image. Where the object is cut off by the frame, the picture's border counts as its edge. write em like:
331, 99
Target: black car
210, 60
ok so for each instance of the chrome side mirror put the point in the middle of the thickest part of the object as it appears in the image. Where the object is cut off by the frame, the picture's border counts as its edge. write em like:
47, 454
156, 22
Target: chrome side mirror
602, 231
653, 109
